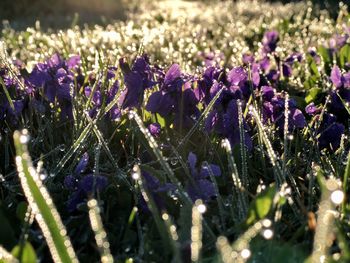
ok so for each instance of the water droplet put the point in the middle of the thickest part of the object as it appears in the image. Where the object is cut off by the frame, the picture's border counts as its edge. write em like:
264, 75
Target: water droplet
61, 148
245, 253
290, 137
202, 208
337, 197
135, 176
268, 233
131, 115
24, 138
42, 177
174, 161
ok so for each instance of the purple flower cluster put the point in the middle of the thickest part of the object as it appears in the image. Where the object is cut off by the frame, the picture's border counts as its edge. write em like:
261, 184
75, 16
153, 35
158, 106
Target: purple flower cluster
12, 98
54, 79
200, 187
274, 110
98, 97
82, 185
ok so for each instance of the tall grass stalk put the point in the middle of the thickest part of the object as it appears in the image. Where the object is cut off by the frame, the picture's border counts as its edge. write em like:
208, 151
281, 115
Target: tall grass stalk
41, 203
100, 233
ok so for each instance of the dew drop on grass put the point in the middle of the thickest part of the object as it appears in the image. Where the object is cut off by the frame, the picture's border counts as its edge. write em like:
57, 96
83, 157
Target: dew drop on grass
268, 233
62, 148
42, 177
202, 208
245, 253
24, 138
174, 161
337, 197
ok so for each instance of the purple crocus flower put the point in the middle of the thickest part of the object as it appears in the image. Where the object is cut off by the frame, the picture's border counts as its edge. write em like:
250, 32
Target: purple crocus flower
248, 58
274, 107
136, 81
224, 121
176, 99
287, 65
154, 129
269, 41
156, 188
200, 187
311, 109
82, 185
86, 186
330, 132
99, 97
55, 77
341, 83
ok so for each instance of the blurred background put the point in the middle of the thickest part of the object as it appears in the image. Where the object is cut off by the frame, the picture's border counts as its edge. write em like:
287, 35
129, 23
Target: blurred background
62, 13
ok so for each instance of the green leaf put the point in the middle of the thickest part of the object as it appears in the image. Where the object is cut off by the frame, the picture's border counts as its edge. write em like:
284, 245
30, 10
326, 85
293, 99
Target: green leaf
41, 203
21, 210
7, 257
261, 205
275, 252
324, 52
27, 254
344, 55
312, 95
7, 234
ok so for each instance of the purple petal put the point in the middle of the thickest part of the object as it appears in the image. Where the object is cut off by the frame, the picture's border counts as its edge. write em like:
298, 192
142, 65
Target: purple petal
70, 182
205, 171
73, 61
192, 160
267, 93
237, 75
336, 76
132, 95
173, 73
81, 166
311, 109
298, 118
154, 129
91, 183
203, 189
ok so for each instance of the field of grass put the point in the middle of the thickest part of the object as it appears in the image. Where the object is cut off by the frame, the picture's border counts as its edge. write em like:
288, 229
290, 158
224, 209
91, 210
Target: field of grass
191, 131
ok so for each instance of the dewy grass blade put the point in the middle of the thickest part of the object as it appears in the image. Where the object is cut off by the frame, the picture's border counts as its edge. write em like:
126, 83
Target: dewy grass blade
238, 189
218, 196
147, 196
155, 148
196, 231
270, 151
41, 203
6, 256
100, 233
245, 179
73, 149
346, 179
107, 150
200, 119
8, 97
327, 213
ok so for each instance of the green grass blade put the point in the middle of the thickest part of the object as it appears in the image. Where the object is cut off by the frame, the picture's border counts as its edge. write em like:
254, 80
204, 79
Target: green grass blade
100, 233
41, 203
7, 257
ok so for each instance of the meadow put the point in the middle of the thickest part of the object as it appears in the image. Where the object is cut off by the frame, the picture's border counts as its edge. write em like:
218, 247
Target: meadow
190, 131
